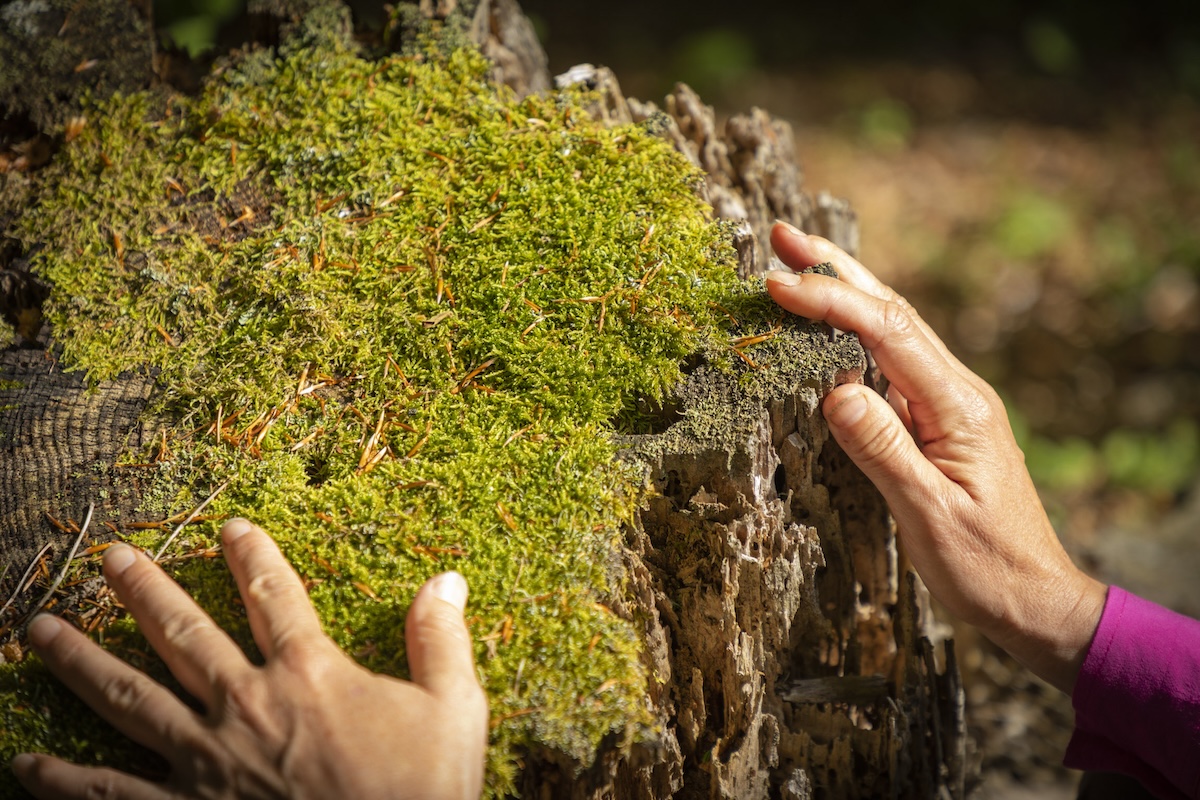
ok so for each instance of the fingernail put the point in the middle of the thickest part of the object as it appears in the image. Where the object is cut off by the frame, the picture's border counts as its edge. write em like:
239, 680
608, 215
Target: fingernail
118, 558
849, 411
235, 529
790, 228
783, 277
23, 763
43, 629
451, 587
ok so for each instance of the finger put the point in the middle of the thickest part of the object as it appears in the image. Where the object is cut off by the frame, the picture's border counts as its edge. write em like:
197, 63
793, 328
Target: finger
874, 438
800, 250
139, 707
51, 778
198, 653
439, 646
907, 357
281, 616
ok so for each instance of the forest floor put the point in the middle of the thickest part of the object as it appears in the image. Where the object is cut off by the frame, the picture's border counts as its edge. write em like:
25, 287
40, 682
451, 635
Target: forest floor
1053, 238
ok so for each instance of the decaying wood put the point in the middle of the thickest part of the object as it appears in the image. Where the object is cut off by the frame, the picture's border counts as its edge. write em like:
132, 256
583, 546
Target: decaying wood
506, 36
58, 447
789, 646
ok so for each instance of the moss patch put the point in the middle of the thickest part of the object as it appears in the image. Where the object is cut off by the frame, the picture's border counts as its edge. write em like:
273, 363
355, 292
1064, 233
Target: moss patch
409, 352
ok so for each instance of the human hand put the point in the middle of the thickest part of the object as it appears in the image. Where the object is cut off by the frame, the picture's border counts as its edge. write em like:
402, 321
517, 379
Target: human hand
309, 723
943, 455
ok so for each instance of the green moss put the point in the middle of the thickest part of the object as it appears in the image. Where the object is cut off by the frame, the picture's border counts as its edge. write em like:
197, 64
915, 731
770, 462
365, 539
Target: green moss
419, 349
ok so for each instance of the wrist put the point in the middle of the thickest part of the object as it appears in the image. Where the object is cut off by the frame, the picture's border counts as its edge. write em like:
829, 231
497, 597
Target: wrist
1052, 639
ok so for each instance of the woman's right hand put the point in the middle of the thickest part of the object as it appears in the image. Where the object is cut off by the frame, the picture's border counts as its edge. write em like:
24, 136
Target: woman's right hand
943, 455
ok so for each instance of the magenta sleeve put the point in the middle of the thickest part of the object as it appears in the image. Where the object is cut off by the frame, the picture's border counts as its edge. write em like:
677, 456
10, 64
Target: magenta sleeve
1137, 698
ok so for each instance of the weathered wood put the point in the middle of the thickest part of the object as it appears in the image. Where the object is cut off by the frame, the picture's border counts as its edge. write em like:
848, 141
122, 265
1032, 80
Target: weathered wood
58, 447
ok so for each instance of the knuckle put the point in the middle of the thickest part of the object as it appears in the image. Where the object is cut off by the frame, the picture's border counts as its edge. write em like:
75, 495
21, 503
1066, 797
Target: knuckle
438, 627
880, 444
265, 587
101, 786
897, 319
978, 409
181, 627
124, 694
823, 246
309, 667
993, 399
244, 697
242, 694
204, 761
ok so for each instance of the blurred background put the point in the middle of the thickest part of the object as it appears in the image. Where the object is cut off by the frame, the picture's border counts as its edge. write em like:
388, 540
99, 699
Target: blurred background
1028, 175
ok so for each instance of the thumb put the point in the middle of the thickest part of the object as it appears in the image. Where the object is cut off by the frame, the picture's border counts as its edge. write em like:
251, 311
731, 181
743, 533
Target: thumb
439, 645
867, 428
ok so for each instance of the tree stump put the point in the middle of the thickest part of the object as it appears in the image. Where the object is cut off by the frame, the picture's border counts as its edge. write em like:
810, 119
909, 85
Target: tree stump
783, 647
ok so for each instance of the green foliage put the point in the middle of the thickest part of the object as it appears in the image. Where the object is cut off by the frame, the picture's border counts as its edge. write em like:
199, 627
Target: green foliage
1033, 225
413, 365
714, 60
887, 124
1163, 462
192, 24
1062, 464
1050, 47
1157, 462
1185, 57
1118, 253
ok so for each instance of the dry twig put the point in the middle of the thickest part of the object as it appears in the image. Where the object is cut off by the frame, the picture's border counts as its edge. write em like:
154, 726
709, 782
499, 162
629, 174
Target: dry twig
24, 577
66, 564
187, 520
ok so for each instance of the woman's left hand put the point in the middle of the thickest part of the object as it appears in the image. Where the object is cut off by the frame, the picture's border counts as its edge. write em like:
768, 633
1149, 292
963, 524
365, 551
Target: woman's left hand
309, 723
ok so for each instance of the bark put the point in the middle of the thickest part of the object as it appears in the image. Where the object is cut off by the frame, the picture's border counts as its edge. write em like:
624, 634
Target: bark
789, 645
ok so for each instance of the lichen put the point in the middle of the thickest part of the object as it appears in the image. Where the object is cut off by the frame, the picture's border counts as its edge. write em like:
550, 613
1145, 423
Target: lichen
719, 403
415, 355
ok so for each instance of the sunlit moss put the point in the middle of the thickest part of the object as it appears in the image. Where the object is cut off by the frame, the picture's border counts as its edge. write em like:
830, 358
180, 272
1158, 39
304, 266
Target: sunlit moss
418, 337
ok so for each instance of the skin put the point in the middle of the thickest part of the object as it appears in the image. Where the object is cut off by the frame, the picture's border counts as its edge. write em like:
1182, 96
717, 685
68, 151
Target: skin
942, 453
309, 723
